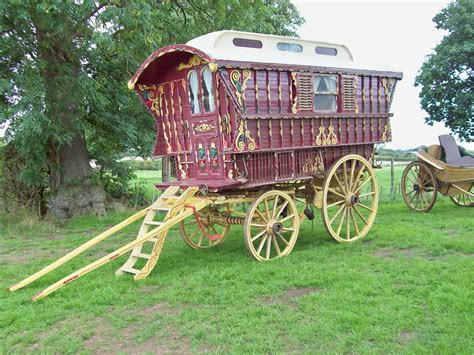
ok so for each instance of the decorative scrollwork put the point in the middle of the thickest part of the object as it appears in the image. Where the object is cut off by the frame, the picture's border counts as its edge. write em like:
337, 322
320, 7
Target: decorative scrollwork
329, 139
240, 87
204, 127
243, 137
387, 133
195, 60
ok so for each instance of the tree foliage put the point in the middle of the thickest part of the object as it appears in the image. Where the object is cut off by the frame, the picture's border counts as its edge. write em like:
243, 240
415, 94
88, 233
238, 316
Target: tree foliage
64, 67
446, 77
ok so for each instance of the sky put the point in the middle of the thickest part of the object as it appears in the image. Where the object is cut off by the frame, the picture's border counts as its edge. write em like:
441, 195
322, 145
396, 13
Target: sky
393, 34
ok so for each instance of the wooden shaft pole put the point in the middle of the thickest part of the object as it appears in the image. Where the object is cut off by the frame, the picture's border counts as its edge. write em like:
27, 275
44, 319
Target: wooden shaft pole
79, 250
126, 248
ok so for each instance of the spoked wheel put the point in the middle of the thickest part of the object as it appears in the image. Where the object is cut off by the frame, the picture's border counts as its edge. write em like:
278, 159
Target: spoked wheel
419, 187
215, 229
464, 200
271, 226
350, 198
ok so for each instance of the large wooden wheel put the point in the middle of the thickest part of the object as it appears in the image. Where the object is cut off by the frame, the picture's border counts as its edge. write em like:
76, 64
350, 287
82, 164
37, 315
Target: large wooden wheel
419, 187
350, 198
464, 200
208, 231
271, 226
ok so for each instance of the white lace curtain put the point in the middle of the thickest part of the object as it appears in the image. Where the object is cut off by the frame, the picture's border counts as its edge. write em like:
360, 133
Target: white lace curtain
207, 79
325, 84
193, 85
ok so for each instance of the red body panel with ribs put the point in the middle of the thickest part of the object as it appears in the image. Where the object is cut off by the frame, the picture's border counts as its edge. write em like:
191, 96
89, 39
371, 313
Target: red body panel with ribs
262, 128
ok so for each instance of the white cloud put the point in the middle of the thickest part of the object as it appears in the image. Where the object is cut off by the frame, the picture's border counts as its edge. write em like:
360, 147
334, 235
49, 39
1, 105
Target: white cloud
396, 34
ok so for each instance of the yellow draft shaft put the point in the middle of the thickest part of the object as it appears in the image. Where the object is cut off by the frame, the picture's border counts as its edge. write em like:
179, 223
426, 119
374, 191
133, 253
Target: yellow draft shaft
198, 204
79, 250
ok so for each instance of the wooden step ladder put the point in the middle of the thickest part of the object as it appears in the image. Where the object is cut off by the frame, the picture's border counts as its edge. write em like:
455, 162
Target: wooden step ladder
175, 209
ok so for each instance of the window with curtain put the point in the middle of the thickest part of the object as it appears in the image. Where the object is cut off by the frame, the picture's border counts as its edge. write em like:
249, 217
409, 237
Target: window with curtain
207, 93
193, 88
325, 93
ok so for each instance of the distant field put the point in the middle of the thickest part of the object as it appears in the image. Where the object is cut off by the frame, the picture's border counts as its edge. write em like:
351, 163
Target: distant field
407, 287
150, 177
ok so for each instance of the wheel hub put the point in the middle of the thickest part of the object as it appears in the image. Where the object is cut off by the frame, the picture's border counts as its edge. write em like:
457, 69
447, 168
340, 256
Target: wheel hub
352, 199
416, 187
276, 227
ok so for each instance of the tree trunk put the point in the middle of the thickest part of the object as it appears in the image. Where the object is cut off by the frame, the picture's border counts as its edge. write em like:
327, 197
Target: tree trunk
73, 190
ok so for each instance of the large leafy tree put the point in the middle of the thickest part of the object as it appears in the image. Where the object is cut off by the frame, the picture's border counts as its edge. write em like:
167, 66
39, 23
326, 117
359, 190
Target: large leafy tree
64, 67
446, 77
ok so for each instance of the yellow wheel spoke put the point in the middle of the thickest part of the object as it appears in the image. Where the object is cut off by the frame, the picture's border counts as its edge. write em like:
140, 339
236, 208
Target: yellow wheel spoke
283, 239
261, 215
267, 210
352, 174
269, 246
336, 193
336, 203
282, 208
339, 183
361, 215
337, 214
363, 183
286, 218
262, 243
354, 222
275, 244
341, 222
275, 203
346, 182
288, 229
258, 225
258, 235
364, 206
367, 194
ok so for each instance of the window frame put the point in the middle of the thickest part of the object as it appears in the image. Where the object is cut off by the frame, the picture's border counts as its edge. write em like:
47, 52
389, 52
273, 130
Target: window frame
329, 93
202, 112
212, 92
198, 92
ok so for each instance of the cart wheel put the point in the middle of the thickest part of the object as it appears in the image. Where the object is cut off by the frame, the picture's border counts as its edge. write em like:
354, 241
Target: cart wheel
192, 233
271, 226
350, 198
419, 187
464, 200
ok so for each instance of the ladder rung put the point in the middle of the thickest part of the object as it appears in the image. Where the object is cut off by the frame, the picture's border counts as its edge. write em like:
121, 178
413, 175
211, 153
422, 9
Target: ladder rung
131, 270
141, 255
171, 197
165, 209
153, 240
154, 223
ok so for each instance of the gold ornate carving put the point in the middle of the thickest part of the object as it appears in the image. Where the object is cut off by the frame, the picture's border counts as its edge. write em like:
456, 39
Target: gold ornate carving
314, 166
356, 106
294, 96
235, 77
243, 137
388, 86
387, 133
323, 139
204, 127
195, 60
213, 67
331, 138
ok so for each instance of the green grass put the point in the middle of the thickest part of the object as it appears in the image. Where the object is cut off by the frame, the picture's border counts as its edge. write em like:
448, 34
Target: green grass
407, 287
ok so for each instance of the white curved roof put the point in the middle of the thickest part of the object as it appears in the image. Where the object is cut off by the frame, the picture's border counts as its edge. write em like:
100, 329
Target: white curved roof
219, 45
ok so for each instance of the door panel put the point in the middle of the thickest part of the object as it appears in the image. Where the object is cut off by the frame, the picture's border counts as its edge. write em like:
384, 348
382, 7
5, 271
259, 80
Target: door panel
206, 145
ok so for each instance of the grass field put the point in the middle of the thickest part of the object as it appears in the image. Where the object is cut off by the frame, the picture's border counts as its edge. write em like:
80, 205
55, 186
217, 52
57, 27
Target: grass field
407, 287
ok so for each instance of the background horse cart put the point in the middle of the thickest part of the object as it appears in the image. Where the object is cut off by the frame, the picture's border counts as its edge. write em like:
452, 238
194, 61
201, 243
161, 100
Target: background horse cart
424, 178
278, 124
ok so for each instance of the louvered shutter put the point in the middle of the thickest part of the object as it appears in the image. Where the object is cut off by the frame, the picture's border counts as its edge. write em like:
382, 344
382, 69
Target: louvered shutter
349, 100
305, 91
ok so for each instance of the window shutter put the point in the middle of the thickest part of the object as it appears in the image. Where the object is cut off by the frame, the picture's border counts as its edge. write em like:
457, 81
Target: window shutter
349, 101
305, 91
